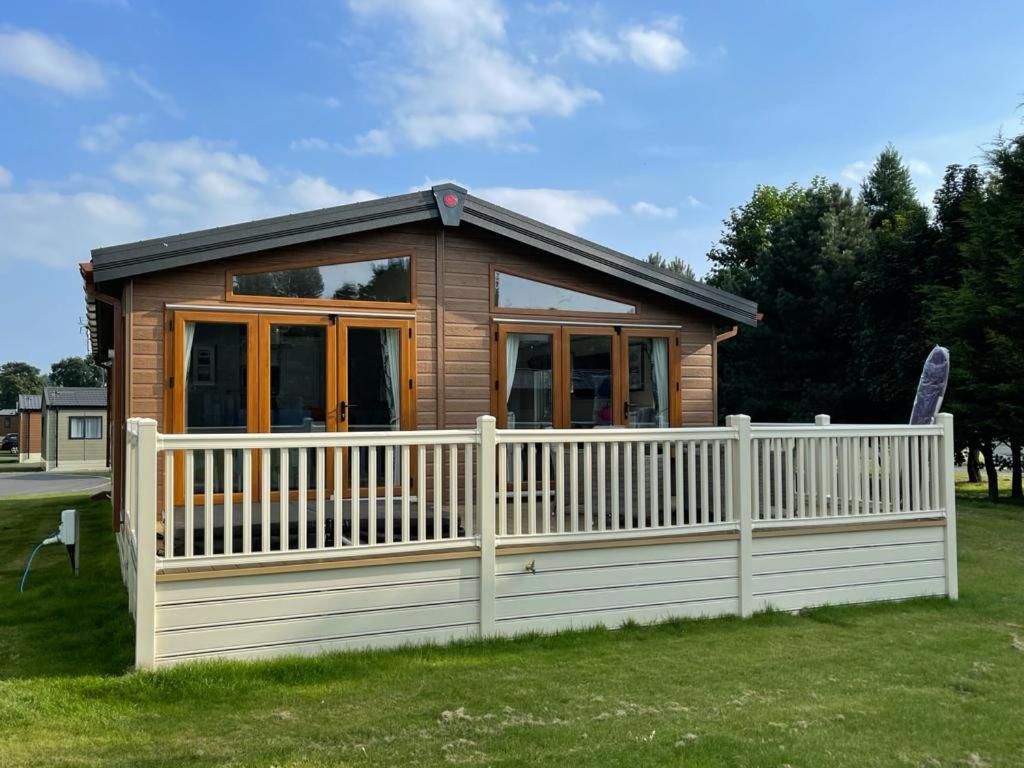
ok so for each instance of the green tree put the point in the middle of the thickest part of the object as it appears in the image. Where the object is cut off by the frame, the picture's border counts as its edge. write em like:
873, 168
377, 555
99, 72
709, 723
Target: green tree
956, 198
982, 316
18, 378
891, 340
676, 265
795, 251
77, 372
389, 282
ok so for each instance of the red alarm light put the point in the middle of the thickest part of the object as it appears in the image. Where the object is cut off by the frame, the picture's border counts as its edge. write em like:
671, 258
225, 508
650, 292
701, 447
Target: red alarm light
450, 200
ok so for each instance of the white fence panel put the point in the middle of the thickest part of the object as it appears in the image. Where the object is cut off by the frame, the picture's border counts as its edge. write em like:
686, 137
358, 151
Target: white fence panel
299, 543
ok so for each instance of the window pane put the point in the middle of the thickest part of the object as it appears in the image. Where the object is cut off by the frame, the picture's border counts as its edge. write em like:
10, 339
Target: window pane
216, 390
373, 280
514, 292
374, 390
298, 392
528, 383
590, 381
648, 382
77, 427
93, 427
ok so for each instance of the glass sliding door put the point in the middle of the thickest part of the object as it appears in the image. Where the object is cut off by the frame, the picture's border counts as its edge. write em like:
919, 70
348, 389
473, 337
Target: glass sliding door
374, 385
585, 377
295, 381
648, 379
528, 391
216, 391
591, 380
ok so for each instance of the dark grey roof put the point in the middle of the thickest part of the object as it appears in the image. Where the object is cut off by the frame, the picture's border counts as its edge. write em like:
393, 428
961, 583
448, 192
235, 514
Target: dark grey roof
122, 261
30, 402
75, 397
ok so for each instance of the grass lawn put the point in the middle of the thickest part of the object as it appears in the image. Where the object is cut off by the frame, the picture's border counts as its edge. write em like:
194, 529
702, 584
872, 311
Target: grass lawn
10, 463
925, 683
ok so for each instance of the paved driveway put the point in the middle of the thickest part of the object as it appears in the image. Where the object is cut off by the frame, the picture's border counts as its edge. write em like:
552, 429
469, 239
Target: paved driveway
22, 483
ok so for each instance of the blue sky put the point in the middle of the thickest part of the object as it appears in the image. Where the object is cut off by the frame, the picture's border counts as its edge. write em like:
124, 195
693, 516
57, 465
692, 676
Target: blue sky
635, 124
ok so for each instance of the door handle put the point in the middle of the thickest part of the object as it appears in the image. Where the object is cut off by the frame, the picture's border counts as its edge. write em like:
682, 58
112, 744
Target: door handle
625, 411
342, 410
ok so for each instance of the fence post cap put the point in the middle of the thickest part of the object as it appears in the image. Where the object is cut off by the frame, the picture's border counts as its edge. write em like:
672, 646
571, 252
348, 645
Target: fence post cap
822, 418
736, 419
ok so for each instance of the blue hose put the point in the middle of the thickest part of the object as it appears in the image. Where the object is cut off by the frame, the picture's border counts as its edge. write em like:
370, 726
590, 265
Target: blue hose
32, 557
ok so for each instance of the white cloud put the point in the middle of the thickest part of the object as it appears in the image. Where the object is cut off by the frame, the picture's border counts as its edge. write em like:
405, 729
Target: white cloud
309, 192
173, 164
107, 135
312, 144
332, 102
855, 171
593, 46
154, 188
692, 202
566, 209
50, 62
6, 177
453, 78
59, 229
654, 48
375, 141
919, 167
652, 211
164, 100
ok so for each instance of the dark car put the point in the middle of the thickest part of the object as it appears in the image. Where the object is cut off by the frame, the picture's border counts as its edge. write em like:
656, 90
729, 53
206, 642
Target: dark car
10, 443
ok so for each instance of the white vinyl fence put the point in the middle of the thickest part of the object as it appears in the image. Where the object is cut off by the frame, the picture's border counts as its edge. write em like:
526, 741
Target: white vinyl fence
256, 545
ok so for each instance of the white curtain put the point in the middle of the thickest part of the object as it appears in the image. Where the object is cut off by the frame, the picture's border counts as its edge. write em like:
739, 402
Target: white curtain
190, 337
659, 361
511, 361
390, 348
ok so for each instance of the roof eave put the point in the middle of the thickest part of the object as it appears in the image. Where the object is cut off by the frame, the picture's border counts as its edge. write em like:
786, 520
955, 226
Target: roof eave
582, 251
121, 261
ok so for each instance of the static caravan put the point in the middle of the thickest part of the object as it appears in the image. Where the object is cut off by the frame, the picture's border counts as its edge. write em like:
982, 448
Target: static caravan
427, 417
74, 434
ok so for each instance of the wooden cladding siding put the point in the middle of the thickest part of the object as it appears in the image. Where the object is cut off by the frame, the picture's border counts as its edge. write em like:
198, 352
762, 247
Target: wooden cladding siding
453, 263
30, 432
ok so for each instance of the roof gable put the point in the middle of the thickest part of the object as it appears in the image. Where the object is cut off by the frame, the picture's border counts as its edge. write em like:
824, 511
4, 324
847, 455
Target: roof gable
30, 402
75, 397
449, 203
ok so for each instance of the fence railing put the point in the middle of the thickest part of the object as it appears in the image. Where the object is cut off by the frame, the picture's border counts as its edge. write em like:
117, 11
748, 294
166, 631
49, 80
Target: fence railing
248, 494
209, 500
584, 481
827, 471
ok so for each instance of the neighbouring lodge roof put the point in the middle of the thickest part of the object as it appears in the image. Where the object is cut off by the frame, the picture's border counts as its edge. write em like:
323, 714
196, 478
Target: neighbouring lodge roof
30, 402
74, 397
447, 202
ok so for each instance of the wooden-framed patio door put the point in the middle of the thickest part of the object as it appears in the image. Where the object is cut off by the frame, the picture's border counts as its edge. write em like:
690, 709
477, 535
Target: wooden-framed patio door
530, 376
297, 390
214, 388
375, 387
276, 372
582, 376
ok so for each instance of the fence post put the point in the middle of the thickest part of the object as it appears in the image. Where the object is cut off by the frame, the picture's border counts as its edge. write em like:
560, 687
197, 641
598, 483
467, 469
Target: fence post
948, 486
822, 420
743, 495
145, 522
485, 492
